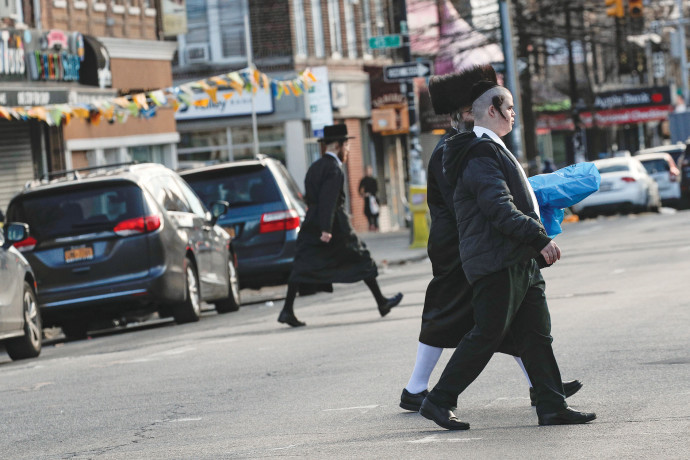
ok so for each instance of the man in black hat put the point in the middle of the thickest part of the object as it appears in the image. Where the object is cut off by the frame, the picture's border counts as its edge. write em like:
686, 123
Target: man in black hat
448, 313
328, 251
500, 237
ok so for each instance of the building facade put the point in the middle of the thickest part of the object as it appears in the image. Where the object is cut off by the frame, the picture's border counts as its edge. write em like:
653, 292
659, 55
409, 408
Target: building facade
77, 52
330, 37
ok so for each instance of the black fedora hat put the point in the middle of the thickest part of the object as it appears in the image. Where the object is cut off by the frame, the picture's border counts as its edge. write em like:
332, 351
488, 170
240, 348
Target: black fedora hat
332, 133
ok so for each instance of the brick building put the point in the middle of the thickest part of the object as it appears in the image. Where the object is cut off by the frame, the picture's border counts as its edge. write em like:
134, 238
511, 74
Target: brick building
75, 51
287, 36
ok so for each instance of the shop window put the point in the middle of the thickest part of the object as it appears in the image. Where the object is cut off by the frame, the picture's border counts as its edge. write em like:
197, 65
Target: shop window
146, 154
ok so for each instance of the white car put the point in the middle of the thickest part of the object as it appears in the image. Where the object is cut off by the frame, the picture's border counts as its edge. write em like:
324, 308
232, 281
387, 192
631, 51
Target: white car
20, 318
625, 187
664, 171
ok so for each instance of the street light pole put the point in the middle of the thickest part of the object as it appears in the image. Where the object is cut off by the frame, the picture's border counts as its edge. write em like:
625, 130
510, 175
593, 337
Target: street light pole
683, 56
511, 76
250, 65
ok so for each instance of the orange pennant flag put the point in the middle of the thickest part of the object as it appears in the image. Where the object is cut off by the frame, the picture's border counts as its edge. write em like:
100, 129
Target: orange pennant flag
228, 96
213, 93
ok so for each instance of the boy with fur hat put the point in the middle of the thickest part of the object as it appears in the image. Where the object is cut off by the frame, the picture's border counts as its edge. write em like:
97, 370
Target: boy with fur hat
448, 313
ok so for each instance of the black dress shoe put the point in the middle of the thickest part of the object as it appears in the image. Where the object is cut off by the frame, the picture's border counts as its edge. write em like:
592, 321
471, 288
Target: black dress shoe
290, 318
391, 302
443, 417
566, 416
412, 401
570, 388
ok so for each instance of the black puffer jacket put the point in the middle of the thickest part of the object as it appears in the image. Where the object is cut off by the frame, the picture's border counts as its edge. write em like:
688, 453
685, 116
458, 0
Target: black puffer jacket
497, 224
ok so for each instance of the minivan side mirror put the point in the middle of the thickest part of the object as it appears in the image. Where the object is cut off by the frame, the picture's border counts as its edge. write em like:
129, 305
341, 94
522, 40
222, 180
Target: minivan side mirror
15, 231
218, 208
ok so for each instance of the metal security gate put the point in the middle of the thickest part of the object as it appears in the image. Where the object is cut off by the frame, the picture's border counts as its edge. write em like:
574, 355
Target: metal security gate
16, 160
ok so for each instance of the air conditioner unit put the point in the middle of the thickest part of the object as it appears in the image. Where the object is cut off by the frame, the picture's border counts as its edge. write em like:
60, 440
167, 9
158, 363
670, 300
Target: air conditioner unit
8, 9
196, 53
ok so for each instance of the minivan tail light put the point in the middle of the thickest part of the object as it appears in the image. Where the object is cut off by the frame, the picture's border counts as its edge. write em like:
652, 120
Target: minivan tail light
138, 225
277, 221
628, 179
27, 244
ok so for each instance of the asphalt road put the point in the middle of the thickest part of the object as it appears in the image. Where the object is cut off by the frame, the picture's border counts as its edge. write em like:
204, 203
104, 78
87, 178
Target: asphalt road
242, 386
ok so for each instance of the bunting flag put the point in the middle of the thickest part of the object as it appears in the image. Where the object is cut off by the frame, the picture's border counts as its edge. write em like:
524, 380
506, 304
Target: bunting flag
146, 105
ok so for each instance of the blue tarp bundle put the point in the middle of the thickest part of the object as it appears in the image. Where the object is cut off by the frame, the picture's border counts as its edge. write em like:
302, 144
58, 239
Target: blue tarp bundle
562, 189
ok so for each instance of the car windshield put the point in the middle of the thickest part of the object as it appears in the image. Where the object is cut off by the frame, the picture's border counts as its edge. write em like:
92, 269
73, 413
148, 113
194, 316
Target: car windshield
655, 166
619, 167
73, 211
239, 186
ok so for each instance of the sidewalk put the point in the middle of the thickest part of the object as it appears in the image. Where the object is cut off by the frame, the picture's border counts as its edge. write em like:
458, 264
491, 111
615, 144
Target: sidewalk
392, 248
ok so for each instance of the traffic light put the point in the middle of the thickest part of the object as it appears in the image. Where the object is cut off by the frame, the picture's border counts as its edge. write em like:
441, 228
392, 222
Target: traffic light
616, 9
635, 8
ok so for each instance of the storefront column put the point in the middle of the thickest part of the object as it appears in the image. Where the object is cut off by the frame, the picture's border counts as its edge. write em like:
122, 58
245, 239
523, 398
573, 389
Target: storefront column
295, 152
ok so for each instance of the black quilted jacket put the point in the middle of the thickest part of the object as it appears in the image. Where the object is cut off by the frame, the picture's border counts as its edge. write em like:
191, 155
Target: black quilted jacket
497, 224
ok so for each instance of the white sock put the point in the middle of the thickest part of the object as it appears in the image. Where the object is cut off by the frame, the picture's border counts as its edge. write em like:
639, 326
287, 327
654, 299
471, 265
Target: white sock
522, 366
427, 357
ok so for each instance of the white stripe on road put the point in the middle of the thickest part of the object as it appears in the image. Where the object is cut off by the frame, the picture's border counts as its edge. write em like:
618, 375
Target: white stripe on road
185, 420
436, 438
351, 408
618, 271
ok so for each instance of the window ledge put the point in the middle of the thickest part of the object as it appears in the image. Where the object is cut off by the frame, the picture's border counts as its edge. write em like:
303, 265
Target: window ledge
118, 9
99, 7
80, 5
134, 10
60, 3
150, 12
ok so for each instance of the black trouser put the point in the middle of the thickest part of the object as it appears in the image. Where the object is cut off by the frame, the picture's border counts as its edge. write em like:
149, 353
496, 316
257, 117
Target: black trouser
511, 301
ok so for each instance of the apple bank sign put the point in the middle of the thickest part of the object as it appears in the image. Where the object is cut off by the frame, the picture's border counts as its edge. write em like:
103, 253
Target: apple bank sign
235, 106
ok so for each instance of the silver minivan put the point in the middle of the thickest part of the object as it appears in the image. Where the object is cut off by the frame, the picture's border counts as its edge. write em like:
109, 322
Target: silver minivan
665, 173
20, 319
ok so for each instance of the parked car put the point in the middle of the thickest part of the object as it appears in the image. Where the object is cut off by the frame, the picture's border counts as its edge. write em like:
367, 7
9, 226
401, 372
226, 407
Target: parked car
663, 170
21, 329
124, 242
625, 187
675, 150
266, 212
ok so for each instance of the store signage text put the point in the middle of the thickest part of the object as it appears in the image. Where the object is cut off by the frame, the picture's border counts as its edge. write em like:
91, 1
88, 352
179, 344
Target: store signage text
11, 53
633, 97
237, 105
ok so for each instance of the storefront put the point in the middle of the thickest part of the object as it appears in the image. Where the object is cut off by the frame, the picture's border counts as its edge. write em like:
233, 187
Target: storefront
623, 120
39, 69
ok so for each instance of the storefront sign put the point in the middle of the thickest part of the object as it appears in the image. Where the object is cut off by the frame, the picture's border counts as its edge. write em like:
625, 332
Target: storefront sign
174, 17
563, 121
320, 111
237, 105
12, 53
638, 97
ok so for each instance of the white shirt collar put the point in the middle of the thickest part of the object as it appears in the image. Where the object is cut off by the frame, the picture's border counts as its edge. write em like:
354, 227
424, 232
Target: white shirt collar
480, 130
340, 163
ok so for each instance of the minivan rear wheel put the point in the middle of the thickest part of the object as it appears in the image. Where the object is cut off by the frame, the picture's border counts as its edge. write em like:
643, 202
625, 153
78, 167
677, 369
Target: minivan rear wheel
189, 310
28, 346
232, 302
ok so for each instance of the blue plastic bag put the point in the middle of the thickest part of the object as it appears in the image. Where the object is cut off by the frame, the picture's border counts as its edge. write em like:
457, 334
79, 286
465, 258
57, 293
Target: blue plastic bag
562, 189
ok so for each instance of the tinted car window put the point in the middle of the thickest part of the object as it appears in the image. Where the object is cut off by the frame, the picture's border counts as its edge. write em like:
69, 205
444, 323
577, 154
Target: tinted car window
238, 186
193, 200
653, 166
613, 168
166, 193
74, 211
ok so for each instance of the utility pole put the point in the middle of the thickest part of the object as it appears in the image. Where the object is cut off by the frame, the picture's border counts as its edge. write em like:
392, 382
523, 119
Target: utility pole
683, 52
512, 82
415, 163
525, 79
250, 65
579, 143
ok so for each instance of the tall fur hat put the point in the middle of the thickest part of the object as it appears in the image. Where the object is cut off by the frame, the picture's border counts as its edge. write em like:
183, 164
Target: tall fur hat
450, 92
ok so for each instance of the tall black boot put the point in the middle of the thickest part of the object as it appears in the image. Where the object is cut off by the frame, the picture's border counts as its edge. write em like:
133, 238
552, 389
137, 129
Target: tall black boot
287, 315
385, 304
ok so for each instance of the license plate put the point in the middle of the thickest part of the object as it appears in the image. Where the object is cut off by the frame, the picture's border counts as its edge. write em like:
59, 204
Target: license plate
605, 187
78, 254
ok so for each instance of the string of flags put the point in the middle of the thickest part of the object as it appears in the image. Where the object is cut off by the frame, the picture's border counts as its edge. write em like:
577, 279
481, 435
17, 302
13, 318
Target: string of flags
146, 104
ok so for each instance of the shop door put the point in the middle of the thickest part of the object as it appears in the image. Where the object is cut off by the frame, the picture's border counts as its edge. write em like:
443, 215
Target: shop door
16, 160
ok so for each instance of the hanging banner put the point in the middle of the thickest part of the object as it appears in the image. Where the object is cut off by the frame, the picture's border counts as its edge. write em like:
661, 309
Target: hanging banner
320, 109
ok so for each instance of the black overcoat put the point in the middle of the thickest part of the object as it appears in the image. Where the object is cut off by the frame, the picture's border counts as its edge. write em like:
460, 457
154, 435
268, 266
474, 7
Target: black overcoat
345, 259
448, 314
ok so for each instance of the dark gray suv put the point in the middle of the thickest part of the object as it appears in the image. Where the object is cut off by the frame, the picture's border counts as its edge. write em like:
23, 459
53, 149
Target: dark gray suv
123, 242
265, 216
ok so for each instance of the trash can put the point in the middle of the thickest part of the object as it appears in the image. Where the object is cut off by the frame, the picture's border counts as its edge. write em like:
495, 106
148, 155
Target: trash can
419, 210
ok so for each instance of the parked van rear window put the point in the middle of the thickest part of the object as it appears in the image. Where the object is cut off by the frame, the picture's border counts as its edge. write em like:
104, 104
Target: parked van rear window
73, 211
238, 186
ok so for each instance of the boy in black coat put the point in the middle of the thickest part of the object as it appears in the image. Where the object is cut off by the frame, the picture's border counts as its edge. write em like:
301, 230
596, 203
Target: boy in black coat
500, 236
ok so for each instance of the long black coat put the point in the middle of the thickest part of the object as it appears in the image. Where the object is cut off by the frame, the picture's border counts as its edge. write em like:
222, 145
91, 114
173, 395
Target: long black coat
345, 258
448, 314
